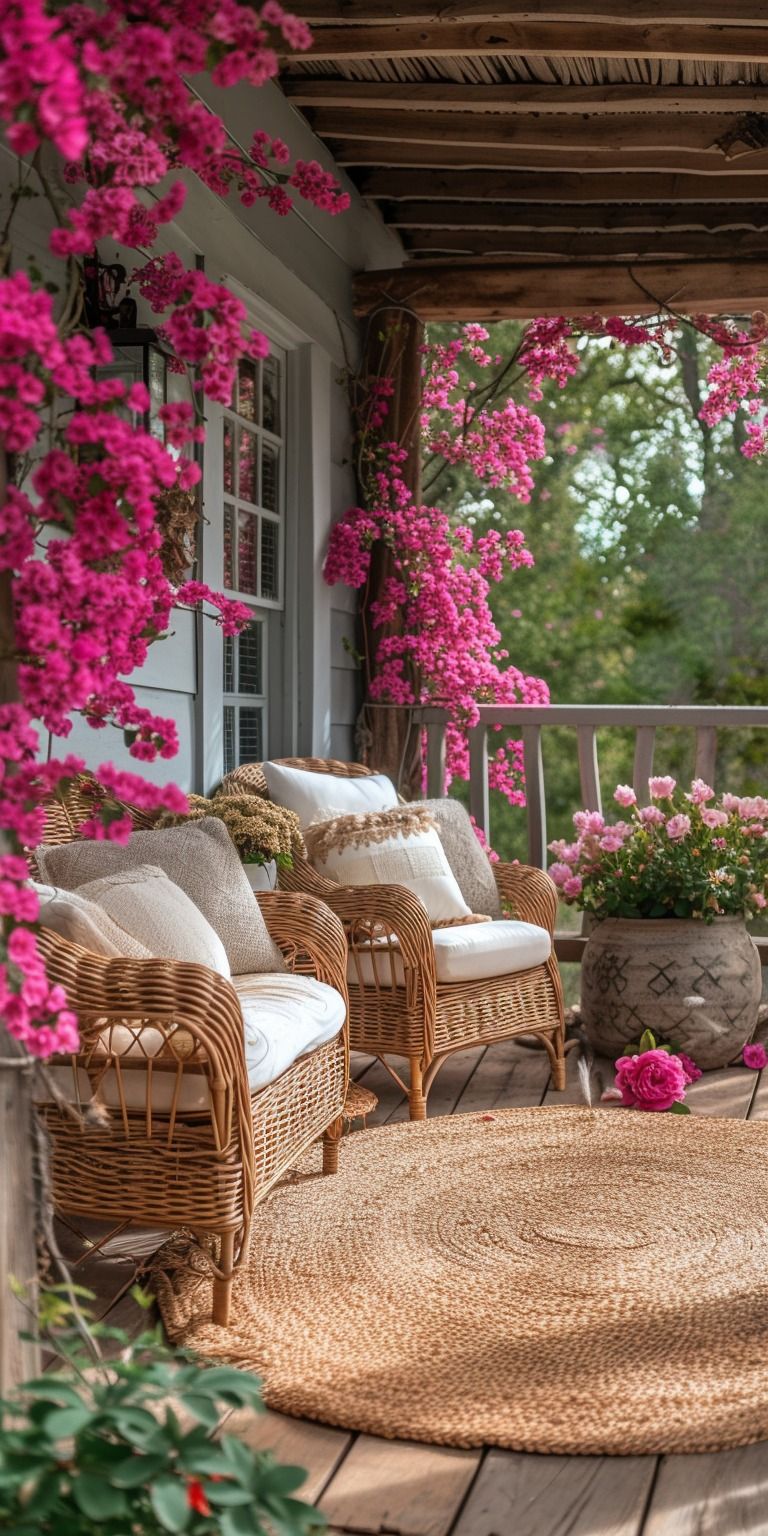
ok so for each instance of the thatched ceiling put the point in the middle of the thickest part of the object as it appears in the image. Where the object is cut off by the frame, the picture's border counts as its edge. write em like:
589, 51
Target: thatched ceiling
571, 135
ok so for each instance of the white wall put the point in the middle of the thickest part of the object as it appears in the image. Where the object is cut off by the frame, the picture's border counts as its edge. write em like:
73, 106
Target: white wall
295, 274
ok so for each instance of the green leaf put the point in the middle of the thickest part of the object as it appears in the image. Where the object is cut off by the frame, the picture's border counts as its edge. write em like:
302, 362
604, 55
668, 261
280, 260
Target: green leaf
240, 1522
201, 1408
63, 1422
168, 1498
679, 1109
228, 1495
647, 1041
96, 1497
137, 1470
284, 1480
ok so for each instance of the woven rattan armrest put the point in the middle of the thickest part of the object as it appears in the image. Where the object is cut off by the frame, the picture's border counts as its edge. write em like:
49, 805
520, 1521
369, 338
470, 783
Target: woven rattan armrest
530, 893
310, 936
368, 911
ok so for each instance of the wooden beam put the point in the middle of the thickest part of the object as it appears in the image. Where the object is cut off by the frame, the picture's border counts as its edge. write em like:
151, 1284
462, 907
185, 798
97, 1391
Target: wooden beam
482, 292
445, 156
481, 131
546, 39
570, 187
523, 99
740, 13
575, 216
553, 245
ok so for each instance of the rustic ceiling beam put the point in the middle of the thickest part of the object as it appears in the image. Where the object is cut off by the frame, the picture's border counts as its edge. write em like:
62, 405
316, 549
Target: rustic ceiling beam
555, 100
570, 187
500, 292
553, 245
666, 131
583, 216
547, 39
740, 13
364, 153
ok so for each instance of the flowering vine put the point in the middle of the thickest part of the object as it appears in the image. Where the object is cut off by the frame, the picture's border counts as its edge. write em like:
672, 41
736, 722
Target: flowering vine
80, 548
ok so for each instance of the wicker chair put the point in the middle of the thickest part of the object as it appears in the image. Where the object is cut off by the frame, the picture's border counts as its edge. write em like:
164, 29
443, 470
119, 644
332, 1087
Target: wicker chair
162, 1129
397, 1007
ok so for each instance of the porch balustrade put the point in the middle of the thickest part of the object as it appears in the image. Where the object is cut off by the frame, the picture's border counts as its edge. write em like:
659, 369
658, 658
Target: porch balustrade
528, 725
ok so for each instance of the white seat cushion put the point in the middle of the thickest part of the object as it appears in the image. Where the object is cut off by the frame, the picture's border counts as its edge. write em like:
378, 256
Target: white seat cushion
284, 1017
469, 952
319, 796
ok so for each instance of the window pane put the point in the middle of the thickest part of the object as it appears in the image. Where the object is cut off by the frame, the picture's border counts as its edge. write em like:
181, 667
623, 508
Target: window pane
229, 739
249, 647
270, 394
229, 547
250, 745
269, 464
229, 664
270, 586
229, 457
246, 389
248, 443
246, 552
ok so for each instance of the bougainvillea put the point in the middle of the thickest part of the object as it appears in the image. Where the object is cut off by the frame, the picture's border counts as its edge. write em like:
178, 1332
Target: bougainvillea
79, 540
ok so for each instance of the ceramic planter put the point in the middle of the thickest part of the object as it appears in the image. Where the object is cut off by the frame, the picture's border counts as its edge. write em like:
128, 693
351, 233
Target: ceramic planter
693, 983
262, 877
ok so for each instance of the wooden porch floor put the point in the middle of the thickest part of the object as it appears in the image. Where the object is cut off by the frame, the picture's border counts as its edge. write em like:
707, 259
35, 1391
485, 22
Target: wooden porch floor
371, 1486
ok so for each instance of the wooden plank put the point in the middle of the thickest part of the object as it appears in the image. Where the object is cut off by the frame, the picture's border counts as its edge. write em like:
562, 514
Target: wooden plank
759, 1106
296, 1443
478, 292
628, 131
399, 1487
439, 214
551, 40
745, 716
726, 1093
568, 187
522, 97
451, 1082
740, 13
352, 152
645, 743
556, 245
479, 797
558, 1496
509, 1076
706, 754
535, 796
19, 1359
436, 760
718, 1495
602, 1076
589, 768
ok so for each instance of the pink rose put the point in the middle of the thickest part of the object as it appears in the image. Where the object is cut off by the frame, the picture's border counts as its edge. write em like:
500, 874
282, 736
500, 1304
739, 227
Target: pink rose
625, 795
712, 818
662, 788
652, 816
700, 792
692, 1072
678, 827
572, 887
560, 873
653, 1080
755, 1056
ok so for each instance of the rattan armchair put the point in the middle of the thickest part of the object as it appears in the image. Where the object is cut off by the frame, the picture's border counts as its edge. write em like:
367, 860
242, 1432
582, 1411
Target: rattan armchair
397, 1007
153, 1123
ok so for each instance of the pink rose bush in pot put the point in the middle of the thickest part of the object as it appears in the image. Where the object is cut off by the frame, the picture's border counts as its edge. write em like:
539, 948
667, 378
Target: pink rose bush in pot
671, 886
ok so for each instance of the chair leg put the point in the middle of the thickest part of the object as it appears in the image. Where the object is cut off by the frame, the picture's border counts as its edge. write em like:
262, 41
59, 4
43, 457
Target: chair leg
331, 1138
417, 1098
558, 1073
222, 1287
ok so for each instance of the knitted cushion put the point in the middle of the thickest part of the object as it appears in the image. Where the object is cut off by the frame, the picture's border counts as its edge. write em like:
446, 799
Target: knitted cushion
400, 847
74, 917
147, 906
470, 865
198, 856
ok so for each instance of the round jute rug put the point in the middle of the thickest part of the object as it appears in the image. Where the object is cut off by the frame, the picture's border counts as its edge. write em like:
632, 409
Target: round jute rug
563, 1280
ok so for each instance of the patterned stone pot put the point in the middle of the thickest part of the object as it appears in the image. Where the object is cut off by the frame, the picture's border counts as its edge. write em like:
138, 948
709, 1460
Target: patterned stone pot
697, 984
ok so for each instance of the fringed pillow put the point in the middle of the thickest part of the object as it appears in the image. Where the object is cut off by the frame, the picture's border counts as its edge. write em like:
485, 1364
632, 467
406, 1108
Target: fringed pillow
398, 847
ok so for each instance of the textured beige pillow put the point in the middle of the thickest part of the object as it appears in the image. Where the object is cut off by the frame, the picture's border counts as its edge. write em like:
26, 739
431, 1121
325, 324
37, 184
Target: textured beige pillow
471, 866
400, 847
201, 858
146, 906
74, 917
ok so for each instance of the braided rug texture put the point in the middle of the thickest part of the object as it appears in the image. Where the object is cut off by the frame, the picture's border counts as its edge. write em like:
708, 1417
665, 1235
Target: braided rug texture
558, 1280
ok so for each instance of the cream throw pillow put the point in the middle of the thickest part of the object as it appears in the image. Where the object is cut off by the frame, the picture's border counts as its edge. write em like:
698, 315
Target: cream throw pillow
400, 847
84, 922
147, 907
200, 857
315, 797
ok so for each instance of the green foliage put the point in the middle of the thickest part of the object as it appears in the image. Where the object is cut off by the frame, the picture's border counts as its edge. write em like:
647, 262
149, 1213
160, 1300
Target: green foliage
128, 1446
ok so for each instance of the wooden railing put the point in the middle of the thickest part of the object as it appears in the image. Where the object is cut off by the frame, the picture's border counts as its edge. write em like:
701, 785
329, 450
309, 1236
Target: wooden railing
527, 724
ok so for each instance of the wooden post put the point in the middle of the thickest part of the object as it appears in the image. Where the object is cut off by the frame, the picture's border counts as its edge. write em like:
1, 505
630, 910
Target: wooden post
18, 1193
389, 740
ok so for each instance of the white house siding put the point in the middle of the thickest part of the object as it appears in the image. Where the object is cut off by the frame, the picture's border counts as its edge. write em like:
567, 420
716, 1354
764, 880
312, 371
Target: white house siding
294, 274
